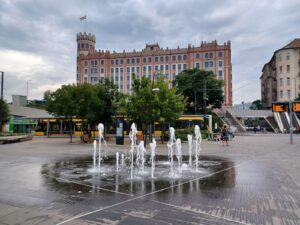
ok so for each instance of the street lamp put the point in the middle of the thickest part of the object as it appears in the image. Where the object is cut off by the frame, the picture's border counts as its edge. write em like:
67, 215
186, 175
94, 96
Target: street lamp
1, 100
27, 89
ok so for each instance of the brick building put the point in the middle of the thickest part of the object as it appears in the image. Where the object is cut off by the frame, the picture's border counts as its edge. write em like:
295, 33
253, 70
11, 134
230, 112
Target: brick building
94, 65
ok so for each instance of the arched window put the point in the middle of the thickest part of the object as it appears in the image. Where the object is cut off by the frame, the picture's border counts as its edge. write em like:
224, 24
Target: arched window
82, 45
167, 58
184, 57
161, 58
179, 57
86, 45
78, 46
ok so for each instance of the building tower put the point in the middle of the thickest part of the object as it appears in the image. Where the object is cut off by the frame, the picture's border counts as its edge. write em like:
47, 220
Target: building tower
85, 43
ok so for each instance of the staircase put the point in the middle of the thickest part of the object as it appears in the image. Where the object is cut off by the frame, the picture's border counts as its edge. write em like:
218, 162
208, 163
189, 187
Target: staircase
228, 118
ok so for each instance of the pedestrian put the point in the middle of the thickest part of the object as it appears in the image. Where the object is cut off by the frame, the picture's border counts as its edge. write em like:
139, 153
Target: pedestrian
224, 135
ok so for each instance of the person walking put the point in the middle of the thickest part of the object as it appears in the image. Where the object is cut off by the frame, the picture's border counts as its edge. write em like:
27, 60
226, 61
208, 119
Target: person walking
224, 135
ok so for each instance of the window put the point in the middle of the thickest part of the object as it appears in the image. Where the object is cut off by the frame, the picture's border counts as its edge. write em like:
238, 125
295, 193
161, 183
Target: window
179, 66
128, 78
137, 60
86, 63
121, 86
184, 57
149, 76
167, 58
144, 60
121, 70
144, 68
173, 67
220, 54
287, 57
121, 61
280, 82
206, 55
167, 67
117, 70
86, 71
133, 60
112, 62
111, 70
288, 81
197, 56
197, 65
161, 68
78, 46
117, 61
138, 70
112, 78
132, 69
279, 58
92, 62
289, 94
167, 76
174, 57
281, 94
211, 55
179, 58
149, 59
86, 45
156, 59
128, 61
149, 69
102, 62
161, 58
173, 76
117, 78
128, 70
121, 78
206, 64
82, 45
220, 63
128, 87
280, 69
184, 66
288, 68
156, 68
102, 70
220, 74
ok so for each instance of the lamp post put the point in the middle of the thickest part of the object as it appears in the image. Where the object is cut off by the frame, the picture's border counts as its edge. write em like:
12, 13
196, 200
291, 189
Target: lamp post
27, 89
1, 100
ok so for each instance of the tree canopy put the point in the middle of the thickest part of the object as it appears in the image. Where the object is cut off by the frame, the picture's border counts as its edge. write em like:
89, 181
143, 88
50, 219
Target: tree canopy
91, 103
256, 105
193, 83
153, 102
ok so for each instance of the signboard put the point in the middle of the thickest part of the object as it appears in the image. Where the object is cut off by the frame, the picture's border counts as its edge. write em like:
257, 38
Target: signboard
120, 131
280, 107
296, 106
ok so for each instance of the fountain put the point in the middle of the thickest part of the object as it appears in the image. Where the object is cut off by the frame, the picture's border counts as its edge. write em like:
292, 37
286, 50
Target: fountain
160, 171
198, 140
153, 148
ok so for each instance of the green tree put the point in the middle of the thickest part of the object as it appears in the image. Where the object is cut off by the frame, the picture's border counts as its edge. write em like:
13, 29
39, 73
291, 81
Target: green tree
62, 103
4, 113
153, 102
256, 105
193, 83
90, 103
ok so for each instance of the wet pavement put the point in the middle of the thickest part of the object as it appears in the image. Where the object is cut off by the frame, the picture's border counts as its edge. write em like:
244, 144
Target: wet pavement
255, 180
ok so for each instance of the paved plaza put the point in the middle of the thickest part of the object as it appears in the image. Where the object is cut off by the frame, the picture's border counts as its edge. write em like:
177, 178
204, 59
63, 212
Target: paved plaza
258, 184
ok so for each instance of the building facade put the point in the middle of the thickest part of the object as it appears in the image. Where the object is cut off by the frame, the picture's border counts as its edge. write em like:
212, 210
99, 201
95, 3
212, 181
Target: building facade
280, 79
95, 65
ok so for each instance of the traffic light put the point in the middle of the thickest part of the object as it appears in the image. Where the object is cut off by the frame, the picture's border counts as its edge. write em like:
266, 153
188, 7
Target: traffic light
280, 107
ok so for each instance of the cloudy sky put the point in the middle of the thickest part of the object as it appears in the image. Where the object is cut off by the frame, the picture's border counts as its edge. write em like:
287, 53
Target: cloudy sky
38, 38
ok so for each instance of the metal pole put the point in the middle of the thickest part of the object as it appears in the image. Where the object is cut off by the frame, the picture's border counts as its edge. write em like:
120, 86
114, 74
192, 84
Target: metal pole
291, 124
1, 100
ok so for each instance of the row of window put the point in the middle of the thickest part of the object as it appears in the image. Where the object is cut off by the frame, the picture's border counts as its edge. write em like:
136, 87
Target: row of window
157, 59
288, 94
288, 81
86, 46
288, 68
287, 57
207, 64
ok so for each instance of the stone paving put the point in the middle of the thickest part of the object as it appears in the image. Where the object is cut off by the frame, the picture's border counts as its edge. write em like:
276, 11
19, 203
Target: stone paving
262, 187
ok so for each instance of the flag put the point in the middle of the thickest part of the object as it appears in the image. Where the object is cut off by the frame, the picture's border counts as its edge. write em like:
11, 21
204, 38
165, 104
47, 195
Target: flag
82, 18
